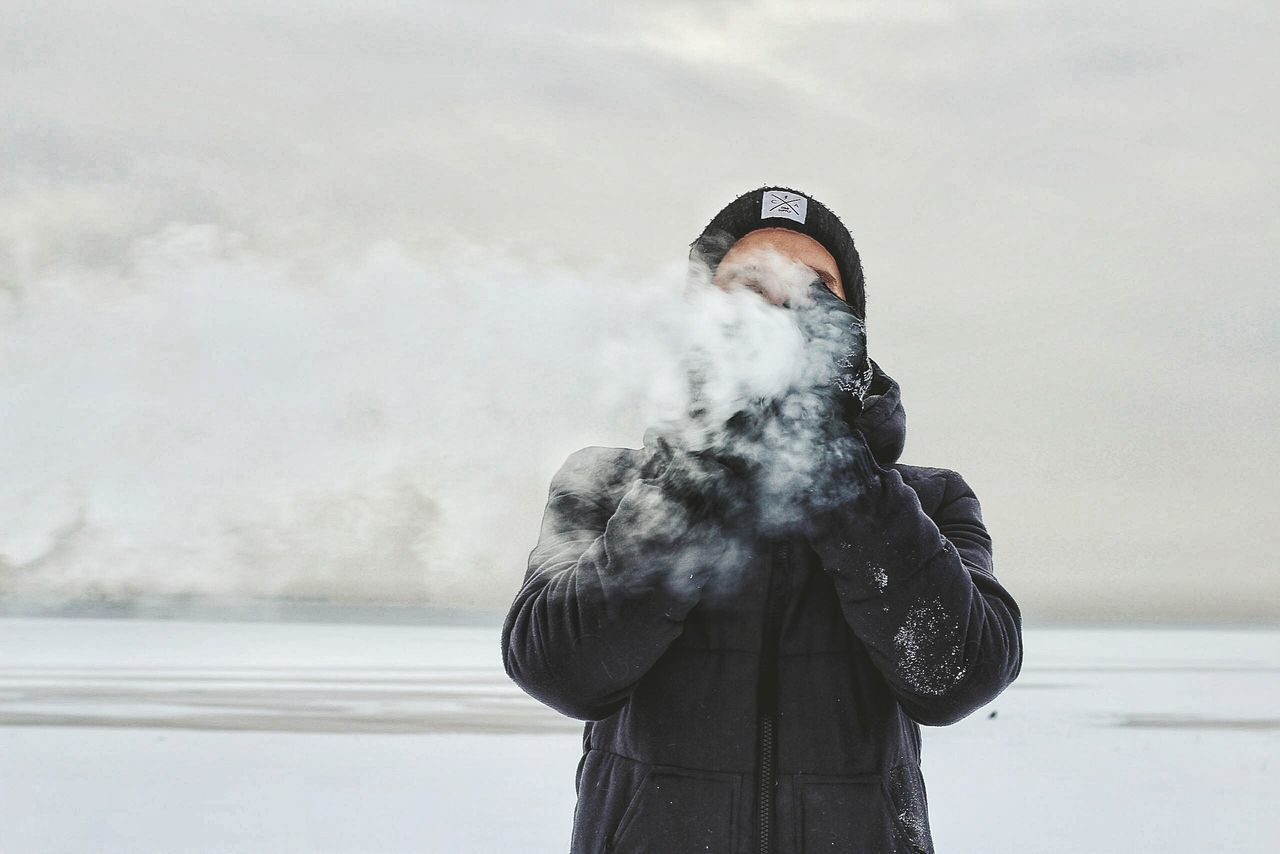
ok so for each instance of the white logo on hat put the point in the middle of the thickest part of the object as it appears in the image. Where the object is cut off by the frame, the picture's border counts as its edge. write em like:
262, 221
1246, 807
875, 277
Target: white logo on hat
779, 204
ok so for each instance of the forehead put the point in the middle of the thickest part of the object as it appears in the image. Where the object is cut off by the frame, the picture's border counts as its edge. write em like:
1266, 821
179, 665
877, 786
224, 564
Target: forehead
793, 243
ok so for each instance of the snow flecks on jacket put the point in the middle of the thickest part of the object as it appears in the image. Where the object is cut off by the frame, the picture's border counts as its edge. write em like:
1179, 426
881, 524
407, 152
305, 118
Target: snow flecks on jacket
912, 811
879, 577
930, 649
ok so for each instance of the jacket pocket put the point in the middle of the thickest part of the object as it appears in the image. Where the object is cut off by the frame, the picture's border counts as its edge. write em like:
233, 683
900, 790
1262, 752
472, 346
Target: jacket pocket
843, 814
677, 810
910, 808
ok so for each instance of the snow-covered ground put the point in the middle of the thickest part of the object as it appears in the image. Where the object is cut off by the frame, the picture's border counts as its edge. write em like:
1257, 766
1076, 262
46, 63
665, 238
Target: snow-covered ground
168, 736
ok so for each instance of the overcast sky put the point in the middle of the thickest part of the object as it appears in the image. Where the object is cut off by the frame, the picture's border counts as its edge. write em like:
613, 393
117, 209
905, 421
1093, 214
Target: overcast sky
314, 298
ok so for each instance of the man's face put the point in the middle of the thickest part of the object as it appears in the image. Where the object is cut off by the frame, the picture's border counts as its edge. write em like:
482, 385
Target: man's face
801, 248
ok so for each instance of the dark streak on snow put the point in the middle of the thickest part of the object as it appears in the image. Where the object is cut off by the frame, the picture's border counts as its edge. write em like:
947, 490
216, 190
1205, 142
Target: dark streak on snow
1170, 721
449, 700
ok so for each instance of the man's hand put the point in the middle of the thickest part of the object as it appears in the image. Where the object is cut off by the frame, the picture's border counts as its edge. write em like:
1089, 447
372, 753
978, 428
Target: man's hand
838, 338
849, 482
707, 484
818, 464
689, 508
814, 465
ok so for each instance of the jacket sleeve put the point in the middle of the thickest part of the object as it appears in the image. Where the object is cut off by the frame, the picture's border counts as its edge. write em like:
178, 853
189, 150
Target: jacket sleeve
923, 598
603, 596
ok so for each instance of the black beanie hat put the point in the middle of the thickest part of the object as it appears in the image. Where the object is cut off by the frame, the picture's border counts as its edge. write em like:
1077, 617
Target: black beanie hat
782, 207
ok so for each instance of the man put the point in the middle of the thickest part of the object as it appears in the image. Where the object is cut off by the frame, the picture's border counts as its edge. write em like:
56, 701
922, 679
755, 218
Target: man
754, 645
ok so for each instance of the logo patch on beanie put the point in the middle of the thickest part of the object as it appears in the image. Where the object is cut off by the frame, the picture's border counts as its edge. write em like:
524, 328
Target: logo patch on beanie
779, 204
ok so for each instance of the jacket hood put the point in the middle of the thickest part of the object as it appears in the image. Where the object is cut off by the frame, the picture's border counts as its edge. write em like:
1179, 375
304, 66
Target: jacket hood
883, 420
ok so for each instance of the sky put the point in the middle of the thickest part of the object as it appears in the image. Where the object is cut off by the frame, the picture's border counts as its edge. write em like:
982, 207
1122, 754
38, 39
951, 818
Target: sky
312, 299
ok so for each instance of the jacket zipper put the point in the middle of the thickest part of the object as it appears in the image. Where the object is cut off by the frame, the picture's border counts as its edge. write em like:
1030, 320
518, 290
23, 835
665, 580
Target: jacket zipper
767, 698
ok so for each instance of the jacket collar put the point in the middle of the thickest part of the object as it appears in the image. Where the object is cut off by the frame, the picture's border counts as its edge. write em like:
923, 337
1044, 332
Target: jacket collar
883, 420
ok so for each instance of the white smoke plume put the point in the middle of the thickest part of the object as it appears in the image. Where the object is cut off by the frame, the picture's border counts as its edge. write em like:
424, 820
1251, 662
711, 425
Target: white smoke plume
756, 379
209, 422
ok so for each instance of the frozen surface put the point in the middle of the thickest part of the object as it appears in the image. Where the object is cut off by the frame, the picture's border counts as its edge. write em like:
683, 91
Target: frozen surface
154, 736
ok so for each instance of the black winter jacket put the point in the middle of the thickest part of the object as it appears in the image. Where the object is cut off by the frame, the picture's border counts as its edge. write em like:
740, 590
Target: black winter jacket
780, 711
